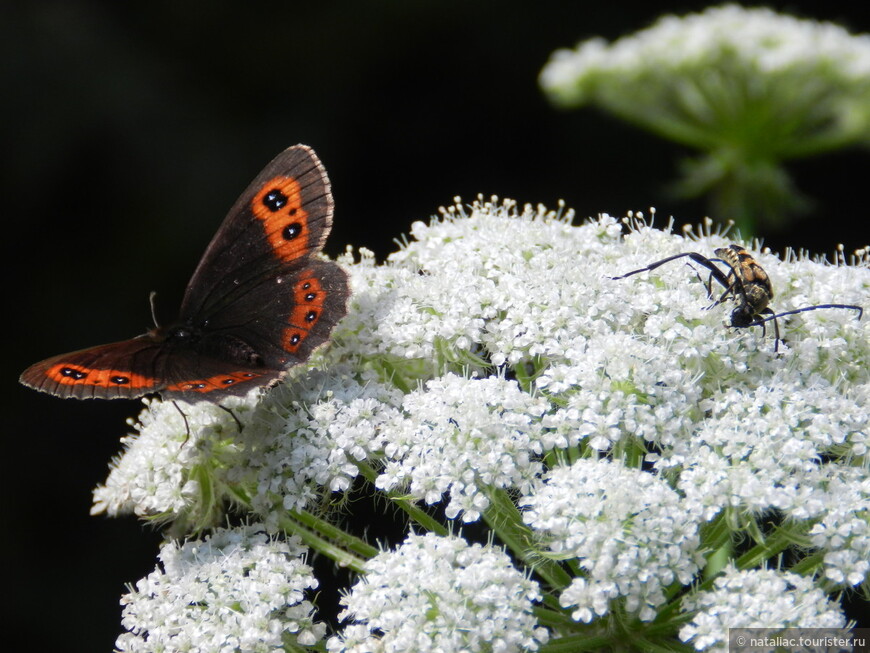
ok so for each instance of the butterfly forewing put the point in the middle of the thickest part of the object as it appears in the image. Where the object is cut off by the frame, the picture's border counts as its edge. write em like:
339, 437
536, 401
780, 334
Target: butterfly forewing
283, 217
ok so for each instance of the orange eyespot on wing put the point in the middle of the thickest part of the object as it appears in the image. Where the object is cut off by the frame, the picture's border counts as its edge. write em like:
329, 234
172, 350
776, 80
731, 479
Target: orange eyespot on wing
310, 297
218, 383
279, 206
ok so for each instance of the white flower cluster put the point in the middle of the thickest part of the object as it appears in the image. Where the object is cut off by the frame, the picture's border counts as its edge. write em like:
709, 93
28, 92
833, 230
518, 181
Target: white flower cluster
461, 436
724, 41
760, 446
629, 531
440, 594
236, 591
761, 598
507, 288
160, 471
842, 530
495, 347
425, 452
308, 436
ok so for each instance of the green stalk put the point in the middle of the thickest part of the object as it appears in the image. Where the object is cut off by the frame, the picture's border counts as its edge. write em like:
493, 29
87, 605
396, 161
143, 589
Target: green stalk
320, 544
334, 533
420, 516
506, 521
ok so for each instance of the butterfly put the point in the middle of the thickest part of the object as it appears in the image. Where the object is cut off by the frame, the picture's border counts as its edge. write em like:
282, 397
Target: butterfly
260, 301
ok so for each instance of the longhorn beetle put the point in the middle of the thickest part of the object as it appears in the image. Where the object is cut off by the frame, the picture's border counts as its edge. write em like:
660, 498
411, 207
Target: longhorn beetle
747, 283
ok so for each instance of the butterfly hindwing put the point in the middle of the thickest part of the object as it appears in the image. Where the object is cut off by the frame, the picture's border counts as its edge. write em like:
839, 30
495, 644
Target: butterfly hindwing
305, 303
120, 370
133, 368
194, 377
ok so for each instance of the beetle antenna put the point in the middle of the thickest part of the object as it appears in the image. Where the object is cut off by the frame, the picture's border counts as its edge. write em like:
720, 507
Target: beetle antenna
811, 308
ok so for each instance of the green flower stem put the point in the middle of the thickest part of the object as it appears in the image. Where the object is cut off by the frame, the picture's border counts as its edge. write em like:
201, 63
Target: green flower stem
576, 643
292, 647
775, 543
716, 538
556, 618
527, 371
390, 373
506, 521
610, 642
420, 516
809, 565
450, 358
322, 537
661, 123
669, 619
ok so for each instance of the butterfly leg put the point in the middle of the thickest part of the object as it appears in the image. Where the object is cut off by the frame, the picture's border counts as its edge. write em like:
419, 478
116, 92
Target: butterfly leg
233, 415
186, 423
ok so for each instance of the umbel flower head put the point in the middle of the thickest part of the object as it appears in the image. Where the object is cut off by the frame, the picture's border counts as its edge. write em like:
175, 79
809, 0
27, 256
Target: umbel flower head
236, 590
749, 88
757, 598
612, 435
464, 598
612, 520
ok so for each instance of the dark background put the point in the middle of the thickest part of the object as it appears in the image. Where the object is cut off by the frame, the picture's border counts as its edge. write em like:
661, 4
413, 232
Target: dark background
128, 129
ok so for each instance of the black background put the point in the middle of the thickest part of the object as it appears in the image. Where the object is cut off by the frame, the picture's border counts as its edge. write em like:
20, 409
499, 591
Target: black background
128, 129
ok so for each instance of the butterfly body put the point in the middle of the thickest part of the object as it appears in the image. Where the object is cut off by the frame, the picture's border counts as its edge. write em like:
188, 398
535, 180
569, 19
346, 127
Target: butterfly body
259, 302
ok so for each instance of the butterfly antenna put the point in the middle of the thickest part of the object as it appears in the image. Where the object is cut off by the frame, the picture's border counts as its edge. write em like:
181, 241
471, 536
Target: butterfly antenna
152, 299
